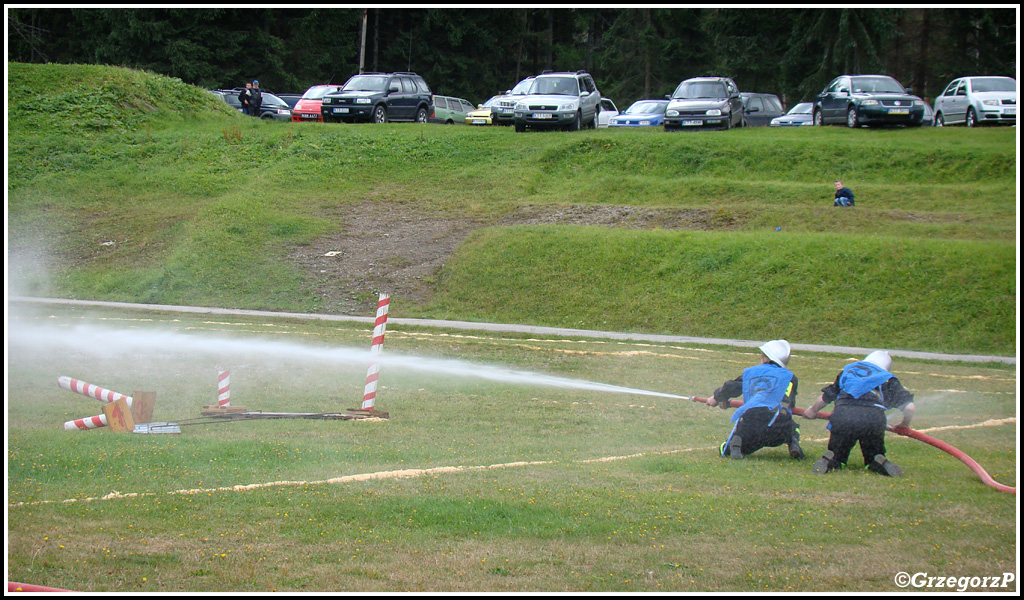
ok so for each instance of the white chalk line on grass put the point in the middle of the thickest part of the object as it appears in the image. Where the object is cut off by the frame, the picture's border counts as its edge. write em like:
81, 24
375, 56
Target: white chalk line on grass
408, 473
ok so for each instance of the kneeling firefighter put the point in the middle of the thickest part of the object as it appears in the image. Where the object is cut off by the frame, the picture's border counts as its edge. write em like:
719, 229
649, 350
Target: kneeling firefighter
769, 396
863, 391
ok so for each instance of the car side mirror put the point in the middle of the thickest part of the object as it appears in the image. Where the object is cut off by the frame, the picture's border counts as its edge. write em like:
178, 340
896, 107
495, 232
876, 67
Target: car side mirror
393, 88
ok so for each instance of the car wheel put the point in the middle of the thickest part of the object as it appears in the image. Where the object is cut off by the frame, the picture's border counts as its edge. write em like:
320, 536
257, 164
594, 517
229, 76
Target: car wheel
421, 115
819, 119
575, 125
940, 121
972, 118
852, 121
597, 115
380, 114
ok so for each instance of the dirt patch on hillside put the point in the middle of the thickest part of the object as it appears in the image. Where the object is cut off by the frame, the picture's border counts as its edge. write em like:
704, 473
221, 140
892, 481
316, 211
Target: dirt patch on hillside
394, 248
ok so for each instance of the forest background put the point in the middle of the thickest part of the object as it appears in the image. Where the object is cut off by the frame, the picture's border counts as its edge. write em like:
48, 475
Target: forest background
475, 53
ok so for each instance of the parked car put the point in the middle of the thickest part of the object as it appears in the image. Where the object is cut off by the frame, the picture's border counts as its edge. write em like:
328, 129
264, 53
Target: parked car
568, 100
271, 106
976, 101
308, 107
448, 110
801, 114
608, 110
867, 100
483, 114
642, 113
928, 119
505, 112
760, 109
712, 102
380, 98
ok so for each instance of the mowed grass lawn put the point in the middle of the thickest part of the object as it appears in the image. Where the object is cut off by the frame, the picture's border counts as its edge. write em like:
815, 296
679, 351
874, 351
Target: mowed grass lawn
482, 485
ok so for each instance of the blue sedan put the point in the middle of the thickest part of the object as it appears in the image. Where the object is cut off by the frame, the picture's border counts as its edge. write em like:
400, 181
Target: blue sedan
643, 113
801, 114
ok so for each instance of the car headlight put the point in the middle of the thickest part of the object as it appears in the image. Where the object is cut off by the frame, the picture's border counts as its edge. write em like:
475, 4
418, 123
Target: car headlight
869, 102
568, 106
325, 101
918, 102
671, 113
990, 102
362, 100
520, 106
714, 112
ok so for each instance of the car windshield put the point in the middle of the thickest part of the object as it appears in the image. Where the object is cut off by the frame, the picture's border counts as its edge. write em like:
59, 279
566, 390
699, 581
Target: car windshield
647, 107
876, 85
272, 100
994, 84
689, 90
366, 83
522, 87
491, 101
317, 92
804, 108
556, 86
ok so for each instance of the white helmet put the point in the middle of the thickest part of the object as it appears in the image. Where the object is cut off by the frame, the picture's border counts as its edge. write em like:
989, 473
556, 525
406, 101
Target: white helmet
879, 358
777, 351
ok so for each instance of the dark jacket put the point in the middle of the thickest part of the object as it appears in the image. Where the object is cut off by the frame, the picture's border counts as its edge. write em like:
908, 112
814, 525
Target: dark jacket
844, 197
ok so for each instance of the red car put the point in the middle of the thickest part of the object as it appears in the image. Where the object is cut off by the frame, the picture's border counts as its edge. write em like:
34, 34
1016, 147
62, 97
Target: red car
308, 107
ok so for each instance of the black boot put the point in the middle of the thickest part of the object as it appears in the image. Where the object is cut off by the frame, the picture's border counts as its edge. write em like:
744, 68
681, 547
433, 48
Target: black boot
824, 464
794, 445
885, 467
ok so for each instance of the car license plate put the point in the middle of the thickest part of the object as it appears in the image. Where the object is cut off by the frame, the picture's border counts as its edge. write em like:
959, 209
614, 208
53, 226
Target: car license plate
479, 121
308, 116
542, 115
899, 111
340, 110
1009, 111
693, 123
507, 111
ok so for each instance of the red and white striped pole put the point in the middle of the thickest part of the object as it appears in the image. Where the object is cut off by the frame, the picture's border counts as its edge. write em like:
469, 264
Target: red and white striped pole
376, 346
87, 423
223, 388
92, 391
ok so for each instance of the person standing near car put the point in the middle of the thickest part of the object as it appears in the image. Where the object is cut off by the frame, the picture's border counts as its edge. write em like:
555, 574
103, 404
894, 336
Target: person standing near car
245, 97
769, 395
256, 101
862, 392
844, 197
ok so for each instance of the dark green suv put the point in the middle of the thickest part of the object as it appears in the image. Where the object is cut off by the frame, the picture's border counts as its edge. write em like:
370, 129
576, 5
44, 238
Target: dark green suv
379, 98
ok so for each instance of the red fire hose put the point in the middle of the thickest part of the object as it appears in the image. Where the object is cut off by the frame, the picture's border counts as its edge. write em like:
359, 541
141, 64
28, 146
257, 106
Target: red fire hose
917, 435
14, 586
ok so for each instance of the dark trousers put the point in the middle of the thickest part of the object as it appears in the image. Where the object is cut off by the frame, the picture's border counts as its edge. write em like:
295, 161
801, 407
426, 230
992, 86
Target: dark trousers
851, 424
757, 430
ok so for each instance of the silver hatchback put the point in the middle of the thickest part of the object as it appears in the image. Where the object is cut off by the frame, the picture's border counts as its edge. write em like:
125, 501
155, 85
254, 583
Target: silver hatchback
976, 101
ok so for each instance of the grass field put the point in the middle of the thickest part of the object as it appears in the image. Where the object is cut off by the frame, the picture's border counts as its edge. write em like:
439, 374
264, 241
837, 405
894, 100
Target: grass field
480, 485
127, 186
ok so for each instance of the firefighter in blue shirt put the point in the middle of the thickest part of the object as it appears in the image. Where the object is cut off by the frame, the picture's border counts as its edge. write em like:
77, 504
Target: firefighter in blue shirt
862, 393
769, 395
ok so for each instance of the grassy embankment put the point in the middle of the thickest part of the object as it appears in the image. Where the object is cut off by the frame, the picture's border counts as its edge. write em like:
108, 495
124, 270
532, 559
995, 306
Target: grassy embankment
204, 206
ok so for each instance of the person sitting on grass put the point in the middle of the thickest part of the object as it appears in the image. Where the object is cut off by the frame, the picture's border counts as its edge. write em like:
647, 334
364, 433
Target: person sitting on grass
844, 197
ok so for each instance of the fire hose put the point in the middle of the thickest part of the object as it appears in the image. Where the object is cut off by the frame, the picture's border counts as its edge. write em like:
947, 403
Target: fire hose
917, 435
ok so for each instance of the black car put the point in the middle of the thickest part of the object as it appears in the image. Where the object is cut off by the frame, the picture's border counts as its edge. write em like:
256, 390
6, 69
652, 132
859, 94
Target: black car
704, 102
379, 98
272, 107
760, 109
867, 100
